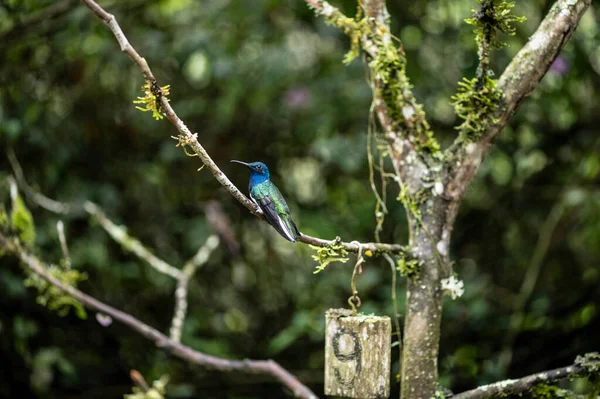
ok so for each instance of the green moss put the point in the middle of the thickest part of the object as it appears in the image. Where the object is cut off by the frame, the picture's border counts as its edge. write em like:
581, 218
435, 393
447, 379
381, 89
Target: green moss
389, 66
407, 267
333, 252
22, 221
51, 296
412, 203
475, 106
544, 391
494, 16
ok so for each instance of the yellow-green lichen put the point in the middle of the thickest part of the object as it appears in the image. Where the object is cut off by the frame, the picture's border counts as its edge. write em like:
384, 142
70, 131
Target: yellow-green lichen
151, 99
333, 252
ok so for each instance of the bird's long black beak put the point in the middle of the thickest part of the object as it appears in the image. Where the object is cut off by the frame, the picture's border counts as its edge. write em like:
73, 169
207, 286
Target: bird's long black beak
240, 162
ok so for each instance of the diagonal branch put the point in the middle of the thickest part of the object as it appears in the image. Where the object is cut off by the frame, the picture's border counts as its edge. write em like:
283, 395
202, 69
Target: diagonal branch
267, 367
187, 138
520, 78
584, 365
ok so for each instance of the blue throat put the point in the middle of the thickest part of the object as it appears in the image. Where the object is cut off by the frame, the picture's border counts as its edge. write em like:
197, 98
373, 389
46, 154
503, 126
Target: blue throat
256, 178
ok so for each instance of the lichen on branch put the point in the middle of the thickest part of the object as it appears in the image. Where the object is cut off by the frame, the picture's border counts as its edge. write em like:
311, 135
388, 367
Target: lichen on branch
151, 100
333, 252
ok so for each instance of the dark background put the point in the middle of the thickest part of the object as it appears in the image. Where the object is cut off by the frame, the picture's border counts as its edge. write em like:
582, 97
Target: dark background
264, 80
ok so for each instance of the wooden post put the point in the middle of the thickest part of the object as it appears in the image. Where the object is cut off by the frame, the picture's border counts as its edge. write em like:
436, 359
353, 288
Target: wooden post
357, 355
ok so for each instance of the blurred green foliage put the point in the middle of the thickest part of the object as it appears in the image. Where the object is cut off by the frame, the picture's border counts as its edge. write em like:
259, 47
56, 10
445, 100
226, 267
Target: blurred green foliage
264, 80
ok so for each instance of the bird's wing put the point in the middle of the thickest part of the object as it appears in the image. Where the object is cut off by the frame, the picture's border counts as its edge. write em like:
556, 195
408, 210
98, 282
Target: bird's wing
289, 231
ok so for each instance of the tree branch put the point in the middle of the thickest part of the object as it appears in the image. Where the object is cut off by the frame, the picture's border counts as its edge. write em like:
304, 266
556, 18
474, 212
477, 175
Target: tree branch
354, 246
267, 367
519, 79
187, 138
181, 291
586, 365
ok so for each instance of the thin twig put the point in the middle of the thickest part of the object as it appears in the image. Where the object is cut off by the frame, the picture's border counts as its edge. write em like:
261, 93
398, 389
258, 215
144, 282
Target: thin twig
267, 367
181, 292
60, 228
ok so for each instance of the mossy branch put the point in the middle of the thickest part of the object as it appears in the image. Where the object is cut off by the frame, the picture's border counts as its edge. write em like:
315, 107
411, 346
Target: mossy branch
522, 76
584, 366
494, 16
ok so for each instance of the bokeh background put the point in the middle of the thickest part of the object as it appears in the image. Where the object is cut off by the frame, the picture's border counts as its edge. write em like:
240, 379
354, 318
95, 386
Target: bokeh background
264, 80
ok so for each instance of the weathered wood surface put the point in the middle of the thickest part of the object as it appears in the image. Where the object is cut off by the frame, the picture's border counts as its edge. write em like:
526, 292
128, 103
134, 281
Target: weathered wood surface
357, 355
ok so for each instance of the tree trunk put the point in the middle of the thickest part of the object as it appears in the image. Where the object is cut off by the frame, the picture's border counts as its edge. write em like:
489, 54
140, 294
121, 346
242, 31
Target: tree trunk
424, 297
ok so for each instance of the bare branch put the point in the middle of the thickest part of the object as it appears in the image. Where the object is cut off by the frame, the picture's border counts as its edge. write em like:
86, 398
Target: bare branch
267, 367
187, 273
519, 79
582, 367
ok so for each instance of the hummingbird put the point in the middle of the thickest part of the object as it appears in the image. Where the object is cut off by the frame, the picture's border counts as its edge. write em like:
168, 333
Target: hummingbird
268, 198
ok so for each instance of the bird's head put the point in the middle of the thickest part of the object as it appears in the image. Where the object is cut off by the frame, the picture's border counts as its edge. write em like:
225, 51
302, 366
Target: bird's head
256, 168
